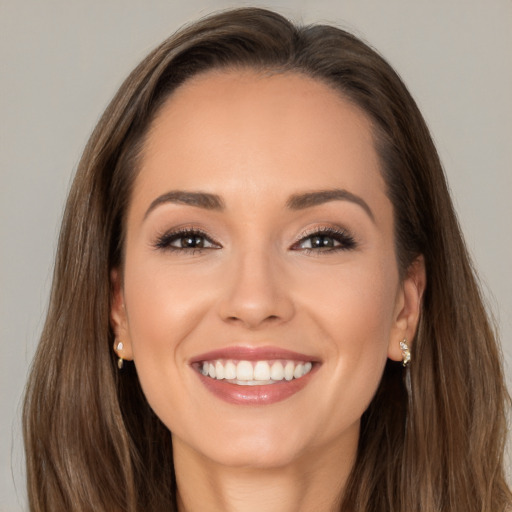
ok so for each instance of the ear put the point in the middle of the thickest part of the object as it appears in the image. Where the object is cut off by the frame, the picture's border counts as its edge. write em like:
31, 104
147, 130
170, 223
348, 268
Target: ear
407, 308
118, 317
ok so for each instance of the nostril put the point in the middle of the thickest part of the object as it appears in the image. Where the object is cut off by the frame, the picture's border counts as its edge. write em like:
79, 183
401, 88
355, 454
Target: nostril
236, 318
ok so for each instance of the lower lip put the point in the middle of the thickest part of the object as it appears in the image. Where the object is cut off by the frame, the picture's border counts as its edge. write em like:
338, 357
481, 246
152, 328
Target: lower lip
255, 395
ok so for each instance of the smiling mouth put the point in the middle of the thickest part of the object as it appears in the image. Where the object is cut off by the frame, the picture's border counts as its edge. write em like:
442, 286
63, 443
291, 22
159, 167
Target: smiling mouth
254, 376
254, 373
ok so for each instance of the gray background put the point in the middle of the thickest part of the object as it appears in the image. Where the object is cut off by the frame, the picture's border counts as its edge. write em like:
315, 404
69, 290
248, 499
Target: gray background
62, 61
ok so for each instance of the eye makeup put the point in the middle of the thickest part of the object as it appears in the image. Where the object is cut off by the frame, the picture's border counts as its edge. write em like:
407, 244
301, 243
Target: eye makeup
325, 239
322, 239
185, 239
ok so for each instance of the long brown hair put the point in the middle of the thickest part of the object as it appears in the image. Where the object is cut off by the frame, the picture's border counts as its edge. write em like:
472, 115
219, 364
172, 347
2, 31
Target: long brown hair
433, 437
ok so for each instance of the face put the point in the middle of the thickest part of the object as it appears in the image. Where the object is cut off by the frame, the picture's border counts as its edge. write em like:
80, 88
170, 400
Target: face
260, 295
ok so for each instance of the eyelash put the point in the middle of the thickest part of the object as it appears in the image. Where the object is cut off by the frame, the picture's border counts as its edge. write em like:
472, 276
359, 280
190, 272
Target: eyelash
164, 241
343, 238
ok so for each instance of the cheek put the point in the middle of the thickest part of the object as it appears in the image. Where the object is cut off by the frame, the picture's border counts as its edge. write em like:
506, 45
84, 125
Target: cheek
160, 317
164, 302
354, 312
355, 303
367, 318
169, 307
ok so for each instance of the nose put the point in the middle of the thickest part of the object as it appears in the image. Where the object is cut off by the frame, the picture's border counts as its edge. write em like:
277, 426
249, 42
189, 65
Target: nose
256, 293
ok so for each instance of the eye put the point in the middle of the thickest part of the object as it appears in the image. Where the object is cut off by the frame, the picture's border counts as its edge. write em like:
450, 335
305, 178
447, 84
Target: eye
325, 240
186, 240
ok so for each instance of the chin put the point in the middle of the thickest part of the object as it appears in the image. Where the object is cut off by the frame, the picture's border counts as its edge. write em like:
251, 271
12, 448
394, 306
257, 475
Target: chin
258, 456
258, 446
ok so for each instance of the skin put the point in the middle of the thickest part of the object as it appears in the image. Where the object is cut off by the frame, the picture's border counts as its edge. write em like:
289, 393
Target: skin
255, 140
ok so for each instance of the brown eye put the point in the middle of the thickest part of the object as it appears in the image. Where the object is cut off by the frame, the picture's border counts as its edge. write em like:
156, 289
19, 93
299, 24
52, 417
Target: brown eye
326, 240
185, 240
190, 242
319, 242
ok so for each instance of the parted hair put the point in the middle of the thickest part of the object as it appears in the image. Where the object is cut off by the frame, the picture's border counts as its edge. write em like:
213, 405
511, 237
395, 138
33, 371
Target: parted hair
433, 436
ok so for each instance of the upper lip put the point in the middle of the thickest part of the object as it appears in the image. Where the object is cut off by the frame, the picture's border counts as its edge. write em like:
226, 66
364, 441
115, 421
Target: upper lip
244, 353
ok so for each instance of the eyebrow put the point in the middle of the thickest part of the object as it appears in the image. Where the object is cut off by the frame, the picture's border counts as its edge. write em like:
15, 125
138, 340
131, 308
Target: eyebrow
315, 198
300, 201
199, 199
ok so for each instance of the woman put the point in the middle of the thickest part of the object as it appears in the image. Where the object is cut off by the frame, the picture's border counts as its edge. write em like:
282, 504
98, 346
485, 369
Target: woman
262, 299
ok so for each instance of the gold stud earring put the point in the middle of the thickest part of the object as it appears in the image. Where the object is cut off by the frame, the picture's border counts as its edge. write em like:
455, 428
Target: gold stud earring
406, 353
118, 348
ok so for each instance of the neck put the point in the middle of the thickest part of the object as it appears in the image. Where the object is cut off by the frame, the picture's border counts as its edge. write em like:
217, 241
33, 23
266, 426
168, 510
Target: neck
314, 483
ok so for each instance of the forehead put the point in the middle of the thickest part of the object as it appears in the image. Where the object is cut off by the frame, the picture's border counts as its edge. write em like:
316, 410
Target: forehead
244, 129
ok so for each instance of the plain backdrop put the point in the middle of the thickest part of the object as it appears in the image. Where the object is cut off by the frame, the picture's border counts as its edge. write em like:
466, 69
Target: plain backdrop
61, 61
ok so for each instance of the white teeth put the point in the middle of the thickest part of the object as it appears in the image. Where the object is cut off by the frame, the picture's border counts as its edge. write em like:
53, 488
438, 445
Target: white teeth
277, 371
229, 370
254, 373
288, 370
244, 371
299, 371
219, 370
262, 371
